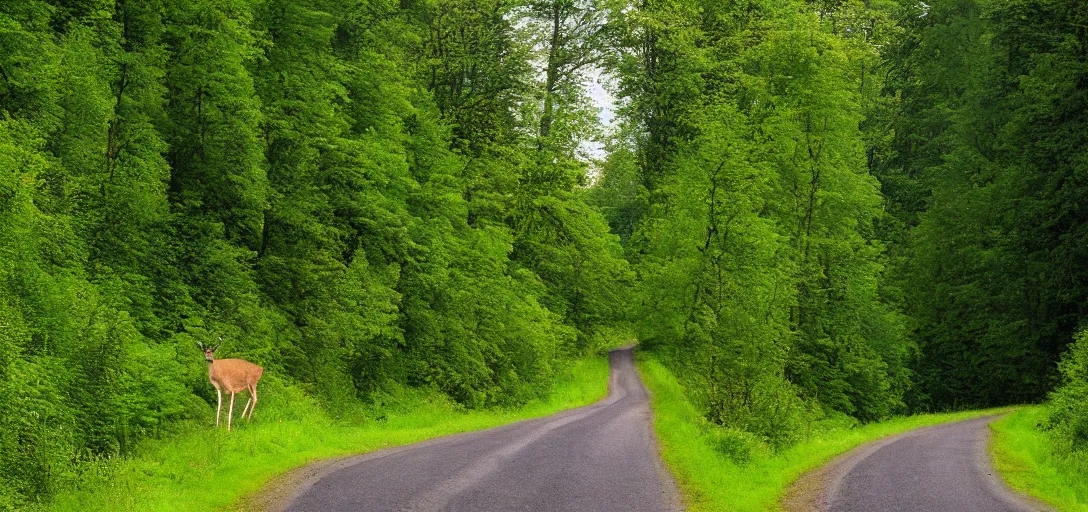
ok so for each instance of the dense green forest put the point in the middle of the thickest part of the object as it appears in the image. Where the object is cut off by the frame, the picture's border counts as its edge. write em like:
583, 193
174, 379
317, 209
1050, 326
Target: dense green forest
854, 207
352, 194
807, 208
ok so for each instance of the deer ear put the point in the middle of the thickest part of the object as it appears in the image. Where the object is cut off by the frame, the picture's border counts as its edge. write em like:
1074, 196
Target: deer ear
200, 345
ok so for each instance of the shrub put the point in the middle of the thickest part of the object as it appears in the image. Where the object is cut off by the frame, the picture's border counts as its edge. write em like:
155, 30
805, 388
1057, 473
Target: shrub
1069, 403
733, 444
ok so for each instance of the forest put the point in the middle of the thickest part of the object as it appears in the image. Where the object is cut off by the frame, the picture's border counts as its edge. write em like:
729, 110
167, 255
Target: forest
809, 209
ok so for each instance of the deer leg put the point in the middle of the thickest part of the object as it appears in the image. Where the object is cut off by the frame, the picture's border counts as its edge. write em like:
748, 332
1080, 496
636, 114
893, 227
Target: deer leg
253, 394
246, 408
219, 405
230, 412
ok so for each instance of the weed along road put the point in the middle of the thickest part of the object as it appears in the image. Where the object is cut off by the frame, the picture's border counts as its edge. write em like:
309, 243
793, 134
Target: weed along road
598, 458
940, 468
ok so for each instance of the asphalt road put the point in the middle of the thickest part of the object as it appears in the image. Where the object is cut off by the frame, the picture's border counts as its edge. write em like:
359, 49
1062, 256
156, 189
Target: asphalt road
598, 458
940, 468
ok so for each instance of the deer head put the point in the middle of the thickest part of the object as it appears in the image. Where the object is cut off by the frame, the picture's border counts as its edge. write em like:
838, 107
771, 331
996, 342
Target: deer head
209, 351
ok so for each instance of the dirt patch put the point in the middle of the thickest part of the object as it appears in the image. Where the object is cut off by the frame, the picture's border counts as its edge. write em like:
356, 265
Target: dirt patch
277, 494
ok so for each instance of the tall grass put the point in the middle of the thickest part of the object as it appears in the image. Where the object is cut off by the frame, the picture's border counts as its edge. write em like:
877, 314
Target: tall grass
203, 468
1031, 461
704, 458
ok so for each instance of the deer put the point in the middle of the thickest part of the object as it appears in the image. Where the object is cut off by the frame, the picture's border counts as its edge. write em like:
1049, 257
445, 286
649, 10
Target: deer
232, 376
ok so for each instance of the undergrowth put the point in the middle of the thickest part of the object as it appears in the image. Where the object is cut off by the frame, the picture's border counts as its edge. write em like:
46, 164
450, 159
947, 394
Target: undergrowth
1035, 462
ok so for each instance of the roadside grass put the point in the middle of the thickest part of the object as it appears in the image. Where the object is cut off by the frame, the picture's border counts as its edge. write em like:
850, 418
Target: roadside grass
1030, 461
711, 481
203, 468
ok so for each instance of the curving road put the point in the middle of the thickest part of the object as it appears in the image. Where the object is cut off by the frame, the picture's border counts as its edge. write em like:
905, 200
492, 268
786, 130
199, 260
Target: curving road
940, 468
598, 458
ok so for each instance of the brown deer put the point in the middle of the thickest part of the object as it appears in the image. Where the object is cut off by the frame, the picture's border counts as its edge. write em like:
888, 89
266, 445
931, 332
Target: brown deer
232, 376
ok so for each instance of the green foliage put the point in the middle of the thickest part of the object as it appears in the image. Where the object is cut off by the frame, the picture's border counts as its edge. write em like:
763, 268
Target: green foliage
858, 208
982, 169
1069, 403
741, 189
346, 192
812, 211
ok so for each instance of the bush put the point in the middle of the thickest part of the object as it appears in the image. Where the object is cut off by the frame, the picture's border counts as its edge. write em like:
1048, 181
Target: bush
735, 445
1069, 403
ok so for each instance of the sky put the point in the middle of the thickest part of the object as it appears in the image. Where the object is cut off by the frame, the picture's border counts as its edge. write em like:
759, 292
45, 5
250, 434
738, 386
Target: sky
605, 103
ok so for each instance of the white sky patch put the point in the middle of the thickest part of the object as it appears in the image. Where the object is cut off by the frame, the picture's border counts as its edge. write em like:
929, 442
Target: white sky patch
597, 88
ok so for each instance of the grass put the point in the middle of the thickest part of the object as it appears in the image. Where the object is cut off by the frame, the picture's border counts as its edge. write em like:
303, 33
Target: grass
710, 481
1030, 462
208, 469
